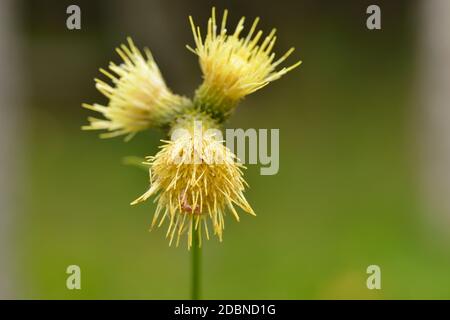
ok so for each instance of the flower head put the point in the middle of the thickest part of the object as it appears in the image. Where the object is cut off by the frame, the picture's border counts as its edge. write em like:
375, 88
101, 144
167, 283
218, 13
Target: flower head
138, 96
235, 66
196, 178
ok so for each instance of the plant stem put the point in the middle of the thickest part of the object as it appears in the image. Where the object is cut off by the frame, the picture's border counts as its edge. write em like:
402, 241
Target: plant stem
196, 261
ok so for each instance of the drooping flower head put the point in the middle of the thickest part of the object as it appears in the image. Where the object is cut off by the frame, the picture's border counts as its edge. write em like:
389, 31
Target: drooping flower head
138, 96
234, 66
196, 178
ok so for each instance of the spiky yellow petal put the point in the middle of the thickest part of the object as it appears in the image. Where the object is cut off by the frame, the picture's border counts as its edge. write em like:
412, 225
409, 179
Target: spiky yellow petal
138, 96
234, 66
196, 178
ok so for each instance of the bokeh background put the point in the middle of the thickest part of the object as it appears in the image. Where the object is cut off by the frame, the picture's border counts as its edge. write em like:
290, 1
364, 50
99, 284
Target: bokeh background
363, 149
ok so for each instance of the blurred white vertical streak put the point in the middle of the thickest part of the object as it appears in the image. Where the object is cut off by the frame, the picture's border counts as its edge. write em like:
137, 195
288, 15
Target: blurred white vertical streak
435, 109
10, 95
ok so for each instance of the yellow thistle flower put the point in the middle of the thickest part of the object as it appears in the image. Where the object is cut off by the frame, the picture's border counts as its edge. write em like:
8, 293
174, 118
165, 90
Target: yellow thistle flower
234, 66
138, 97
195, 178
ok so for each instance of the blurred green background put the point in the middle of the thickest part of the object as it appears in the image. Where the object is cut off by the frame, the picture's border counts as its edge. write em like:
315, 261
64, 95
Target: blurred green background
346, 196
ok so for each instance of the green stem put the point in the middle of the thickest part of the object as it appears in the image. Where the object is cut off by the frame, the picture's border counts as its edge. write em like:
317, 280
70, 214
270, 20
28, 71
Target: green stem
214, 103
196, 261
